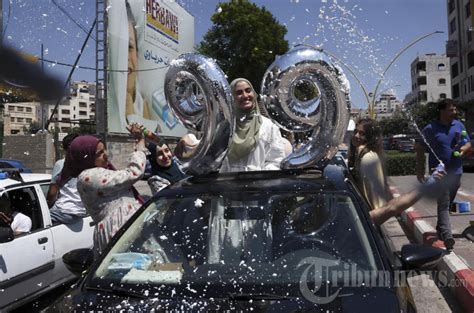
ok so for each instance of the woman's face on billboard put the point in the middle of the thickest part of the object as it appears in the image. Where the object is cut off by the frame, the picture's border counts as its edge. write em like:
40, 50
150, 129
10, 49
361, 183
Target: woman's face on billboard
132, 49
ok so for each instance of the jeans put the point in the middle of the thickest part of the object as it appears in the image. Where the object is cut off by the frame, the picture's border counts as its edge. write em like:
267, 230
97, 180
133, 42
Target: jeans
445, 200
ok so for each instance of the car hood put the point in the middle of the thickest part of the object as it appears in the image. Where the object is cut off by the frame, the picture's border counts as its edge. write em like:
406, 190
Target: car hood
355, 299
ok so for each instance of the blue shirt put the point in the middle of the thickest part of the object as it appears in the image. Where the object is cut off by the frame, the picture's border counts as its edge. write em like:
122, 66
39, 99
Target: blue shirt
444, 140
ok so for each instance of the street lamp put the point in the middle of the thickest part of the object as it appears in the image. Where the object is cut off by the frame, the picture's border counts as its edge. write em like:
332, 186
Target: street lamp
371, 96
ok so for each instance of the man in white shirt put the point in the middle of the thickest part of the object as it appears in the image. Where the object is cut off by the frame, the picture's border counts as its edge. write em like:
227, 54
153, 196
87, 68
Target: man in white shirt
19, 223
53, 190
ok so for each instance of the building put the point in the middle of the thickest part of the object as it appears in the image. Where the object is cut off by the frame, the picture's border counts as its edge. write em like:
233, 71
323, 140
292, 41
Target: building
79, 105
19, 116
460, 50
430, 79
387, 104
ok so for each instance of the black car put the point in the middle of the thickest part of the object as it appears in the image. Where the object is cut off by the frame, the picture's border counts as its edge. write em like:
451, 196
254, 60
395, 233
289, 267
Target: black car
264, 241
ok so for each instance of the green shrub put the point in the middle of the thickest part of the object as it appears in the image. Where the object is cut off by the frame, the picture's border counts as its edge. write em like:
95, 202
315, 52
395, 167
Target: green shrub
400, 163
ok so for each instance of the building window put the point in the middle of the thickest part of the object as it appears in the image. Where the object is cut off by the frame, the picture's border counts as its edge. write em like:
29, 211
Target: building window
455, 91
454, 70
82, 105
450, 6
442, 81
20, 120
82, 113
452, 26
29, 120
469, 35
19, 109
441, 67
12, 119
467, 8
65, 112
29, 110
421, 80
470, 59
10, 108
442, 96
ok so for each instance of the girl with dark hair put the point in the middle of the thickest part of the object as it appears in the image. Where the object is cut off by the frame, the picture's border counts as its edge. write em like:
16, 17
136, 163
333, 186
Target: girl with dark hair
366, 163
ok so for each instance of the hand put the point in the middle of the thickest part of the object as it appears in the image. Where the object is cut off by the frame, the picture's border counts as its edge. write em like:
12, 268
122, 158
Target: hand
5, 218
438, 175
136, 130
420, 175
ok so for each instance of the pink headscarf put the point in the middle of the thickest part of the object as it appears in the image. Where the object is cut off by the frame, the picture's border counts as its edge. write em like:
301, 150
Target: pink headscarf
80, 156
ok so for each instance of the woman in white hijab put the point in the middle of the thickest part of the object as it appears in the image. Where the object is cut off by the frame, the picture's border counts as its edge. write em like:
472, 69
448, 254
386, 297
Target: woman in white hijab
257, 143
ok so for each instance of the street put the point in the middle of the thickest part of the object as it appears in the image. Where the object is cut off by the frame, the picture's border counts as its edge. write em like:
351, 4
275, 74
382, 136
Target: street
460, 223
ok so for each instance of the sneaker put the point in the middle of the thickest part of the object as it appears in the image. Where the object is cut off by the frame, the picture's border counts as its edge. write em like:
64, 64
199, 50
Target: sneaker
449, 243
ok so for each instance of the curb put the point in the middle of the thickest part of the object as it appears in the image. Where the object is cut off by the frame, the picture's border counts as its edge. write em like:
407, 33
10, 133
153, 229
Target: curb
459, 275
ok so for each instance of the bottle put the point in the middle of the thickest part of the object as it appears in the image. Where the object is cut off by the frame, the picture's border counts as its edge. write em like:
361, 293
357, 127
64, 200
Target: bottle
431, 179
462, 140
151, 136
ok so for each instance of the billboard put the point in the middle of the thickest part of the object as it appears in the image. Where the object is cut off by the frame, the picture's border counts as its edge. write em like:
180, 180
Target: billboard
143, 37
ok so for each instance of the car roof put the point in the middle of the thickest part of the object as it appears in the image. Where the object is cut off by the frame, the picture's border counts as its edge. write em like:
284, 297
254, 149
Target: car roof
27, 178
332, 178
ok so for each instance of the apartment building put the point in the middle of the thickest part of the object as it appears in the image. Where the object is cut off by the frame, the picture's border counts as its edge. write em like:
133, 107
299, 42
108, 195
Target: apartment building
17, 117
430, 79
460, 50
79, 105
387, 104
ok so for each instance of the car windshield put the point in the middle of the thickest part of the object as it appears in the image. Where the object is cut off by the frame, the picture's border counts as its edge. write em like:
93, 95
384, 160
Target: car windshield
235, 241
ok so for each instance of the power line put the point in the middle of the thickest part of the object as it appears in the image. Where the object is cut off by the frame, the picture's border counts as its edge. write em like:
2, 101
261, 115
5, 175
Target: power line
8, 19
94, 69
65, 12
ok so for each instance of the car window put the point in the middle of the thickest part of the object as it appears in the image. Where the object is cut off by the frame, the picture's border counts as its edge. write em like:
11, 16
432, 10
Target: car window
252, 239
25, 201
45, 188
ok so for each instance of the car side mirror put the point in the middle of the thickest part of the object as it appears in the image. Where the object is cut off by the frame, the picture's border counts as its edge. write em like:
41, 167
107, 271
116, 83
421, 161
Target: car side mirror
78, 260
420, 256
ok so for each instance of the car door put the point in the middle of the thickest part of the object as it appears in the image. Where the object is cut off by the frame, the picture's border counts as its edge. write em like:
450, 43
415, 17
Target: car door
67, 238
26, 262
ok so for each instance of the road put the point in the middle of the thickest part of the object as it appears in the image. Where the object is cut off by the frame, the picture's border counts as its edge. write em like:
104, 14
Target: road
459, 221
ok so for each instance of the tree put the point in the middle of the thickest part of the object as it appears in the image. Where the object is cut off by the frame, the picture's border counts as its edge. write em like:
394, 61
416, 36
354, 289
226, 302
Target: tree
398, 123
244, 40
33, 128
423, 114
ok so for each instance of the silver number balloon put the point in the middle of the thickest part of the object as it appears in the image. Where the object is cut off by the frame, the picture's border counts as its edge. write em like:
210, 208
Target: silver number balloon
302, 71
199, 95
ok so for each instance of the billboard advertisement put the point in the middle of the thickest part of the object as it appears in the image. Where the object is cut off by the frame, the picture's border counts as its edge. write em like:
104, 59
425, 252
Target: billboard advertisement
144, 36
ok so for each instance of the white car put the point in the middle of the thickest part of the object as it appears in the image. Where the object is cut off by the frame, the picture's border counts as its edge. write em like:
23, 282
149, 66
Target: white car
31, 264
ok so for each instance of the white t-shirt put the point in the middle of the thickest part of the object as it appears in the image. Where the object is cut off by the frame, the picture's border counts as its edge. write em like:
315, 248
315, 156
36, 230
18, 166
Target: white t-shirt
69, 200
21, 223
57, 168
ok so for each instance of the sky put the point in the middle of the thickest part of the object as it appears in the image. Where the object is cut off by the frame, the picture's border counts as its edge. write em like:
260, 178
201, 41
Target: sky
364, 34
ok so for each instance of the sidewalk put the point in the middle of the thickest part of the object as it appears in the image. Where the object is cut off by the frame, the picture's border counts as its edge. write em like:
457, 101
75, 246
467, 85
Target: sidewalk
420, 220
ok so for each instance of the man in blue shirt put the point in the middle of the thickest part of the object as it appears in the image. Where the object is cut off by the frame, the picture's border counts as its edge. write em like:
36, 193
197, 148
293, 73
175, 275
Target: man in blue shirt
444, 137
